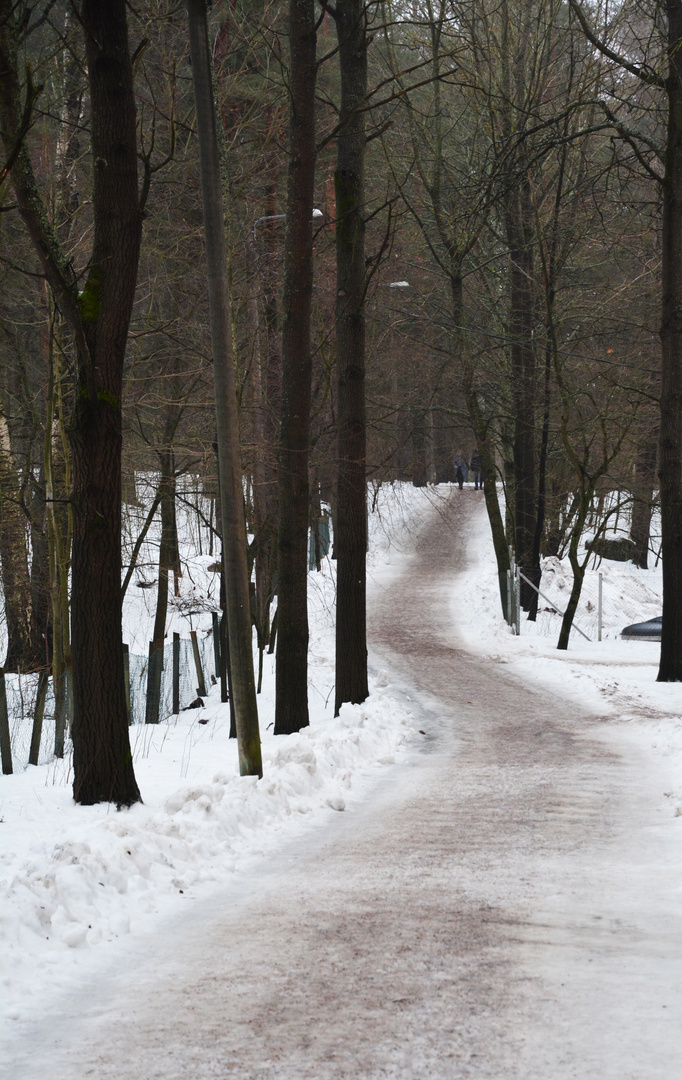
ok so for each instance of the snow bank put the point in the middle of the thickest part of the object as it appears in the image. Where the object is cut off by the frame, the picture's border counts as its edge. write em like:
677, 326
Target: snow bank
613, 678
73, 880
76, 877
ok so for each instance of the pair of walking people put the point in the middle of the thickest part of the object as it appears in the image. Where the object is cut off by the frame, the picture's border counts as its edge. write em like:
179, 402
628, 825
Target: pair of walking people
463, 467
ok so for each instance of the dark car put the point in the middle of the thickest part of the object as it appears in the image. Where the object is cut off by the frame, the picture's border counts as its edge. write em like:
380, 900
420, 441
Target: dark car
644, 631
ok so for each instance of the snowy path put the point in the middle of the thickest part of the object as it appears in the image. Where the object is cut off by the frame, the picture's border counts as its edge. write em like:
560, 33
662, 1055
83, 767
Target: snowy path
502, 908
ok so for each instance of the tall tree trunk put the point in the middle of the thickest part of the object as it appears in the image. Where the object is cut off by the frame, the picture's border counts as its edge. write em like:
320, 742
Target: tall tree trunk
98, 316
41, 618
520, 240
58, 522
643, 499
103, 768
268, 399
536, 577
167, 561
418, 423
351, 511
227, 423
486, 452
670, 440
443, 447
16, 582
291, 705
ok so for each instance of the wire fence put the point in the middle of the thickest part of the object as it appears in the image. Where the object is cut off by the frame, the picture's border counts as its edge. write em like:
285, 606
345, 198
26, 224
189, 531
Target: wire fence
608, 601
22, 693
553, 593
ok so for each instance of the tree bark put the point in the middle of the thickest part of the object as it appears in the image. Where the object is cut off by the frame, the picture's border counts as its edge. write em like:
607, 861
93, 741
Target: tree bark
670, 439
351, 511
227, 421
291, 705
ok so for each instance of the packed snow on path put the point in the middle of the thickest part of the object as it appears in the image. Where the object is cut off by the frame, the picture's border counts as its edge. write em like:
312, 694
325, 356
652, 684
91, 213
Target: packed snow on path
75, 880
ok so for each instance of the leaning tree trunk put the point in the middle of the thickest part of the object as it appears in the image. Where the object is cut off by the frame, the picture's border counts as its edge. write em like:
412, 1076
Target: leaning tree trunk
351, 510
227, 422
291, 704
486, 452
670, 444
98, 315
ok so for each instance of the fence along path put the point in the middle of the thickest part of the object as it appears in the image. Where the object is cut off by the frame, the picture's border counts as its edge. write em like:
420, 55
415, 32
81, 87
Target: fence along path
21, 692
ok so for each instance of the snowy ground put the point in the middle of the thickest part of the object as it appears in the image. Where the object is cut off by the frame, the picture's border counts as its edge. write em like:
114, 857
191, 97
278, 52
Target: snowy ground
614, 678
75, 881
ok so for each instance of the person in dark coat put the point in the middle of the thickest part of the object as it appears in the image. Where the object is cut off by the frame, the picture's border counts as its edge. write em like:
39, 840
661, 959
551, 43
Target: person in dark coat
476, 470
460, 469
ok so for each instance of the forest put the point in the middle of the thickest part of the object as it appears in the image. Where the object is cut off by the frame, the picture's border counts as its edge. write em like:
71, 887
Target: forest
294, 252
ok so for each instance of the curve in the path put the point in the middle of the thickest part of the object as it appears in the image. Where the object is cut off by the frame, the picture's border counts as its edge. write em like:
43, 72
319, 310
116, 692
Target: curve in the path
447, 930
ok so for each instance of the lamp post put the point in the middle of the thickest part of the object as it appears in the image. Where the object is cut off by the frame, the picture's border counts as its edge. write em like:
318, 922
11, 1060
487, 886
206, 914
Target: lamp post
279, 217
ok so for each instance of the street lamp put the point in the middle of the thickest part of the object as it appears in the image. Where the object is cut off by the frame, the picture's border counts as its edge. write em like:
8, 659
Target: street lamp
279, 217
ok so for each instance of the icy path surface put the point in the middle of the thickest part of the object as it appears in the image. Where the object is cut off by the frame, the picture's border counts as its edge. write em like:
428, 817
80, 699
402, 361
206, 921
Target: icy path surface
506, 906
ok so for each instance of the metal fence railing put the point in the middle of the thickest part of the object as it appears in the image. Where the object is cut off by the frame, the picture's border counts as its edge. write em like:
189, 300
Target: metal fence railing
553, 594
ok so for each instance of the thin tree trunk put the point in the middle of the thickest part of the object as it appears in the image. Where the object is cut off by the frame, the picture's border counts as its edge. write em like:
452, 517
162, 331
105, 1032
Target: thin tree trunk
670, 440
351, 511
227, 423
523, 380
16, 581
419, 477
291, 706
58, 536
486, 452
5, 738
578, 569
167, 560
267, 404
443, 447
643, 500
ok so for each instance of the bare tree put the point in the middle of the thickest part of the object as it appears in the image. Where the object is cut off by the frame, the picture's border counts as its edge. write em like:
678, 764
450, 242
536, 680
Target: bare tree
670, 436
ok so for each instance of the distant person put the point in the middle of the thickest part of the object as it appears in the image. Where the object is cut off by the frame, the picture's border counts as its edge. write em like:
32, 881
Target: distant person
460, 469
476, 470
